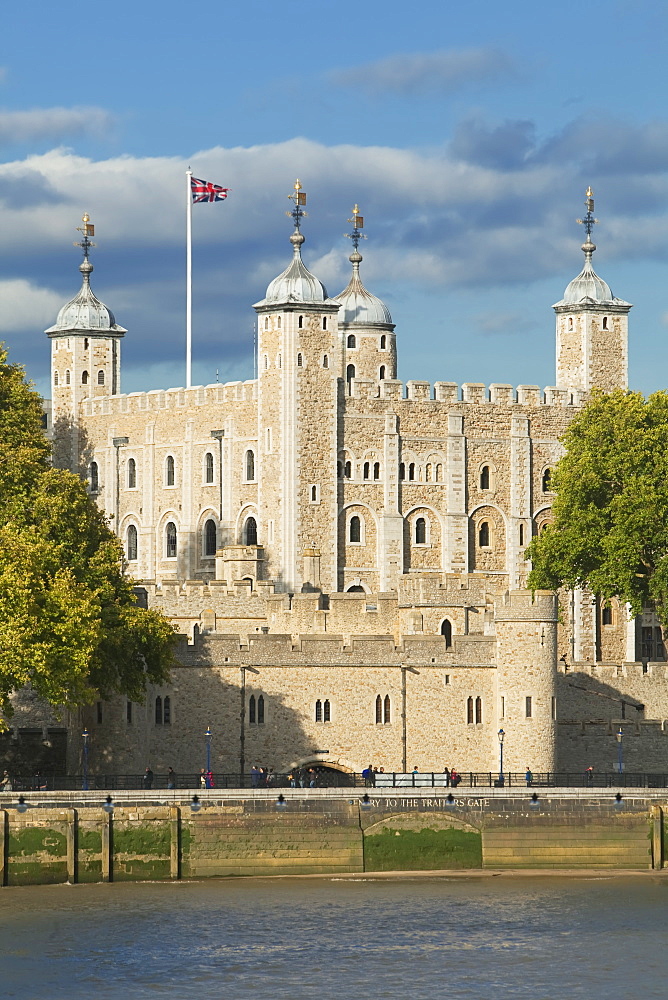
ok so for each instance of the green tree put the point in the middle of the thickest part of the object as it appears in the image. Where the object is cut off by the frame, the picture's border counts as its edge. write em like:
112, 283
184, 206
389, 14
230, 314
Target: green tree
70, 626
610, 514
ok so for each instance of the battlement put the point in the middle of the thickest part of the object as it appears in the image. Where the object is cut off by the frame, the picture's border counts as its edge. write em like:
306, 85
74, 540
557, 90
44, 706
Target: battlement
468, 392
173, 399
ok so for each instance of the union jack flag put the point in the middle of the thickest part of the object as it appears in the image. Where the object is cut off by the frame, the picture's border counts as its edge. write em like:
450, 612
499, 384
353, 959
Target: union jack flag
206, 191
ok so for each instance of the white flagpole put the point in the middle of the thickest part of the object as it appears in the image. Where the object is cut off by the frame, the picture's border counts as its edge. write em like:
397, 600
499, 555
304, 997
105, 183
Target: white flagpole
189, 277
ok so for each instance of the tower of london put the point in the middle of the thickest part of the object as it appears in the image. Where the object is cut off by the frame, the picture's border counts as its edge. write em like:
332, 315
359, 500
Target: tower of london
343, 554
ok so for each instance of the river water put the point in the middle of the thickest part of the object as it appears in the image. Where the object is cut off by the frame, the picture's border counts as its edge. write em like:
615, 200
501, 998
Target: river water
411, 938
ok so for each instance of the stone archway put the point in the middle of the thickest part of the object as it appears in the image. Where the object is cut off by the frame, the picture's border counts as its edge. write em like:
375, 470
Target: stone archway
325, 773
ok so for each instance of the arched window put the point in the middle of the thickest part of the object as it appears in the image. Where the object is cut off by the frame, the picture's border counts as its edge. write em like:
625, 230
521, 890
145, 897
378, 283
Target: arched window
355, 530
350, 375
170, 540
266, 362
469, 711
420, 531
318, 711
439, 473
158, 711
266, 322
605, 322
381, 372
547, 478
250, 466
325, 361
351, 342
402, 471
324, 322
348, 470
570, 322
521, 534
300, 361
169, 471
606, 615
427, 472
132, 474
55, 378
376, 470
167, 711
484, 477
379, 710
478, 710
446, 632
387, 710
94, 477
314, 494
260, 710
367, 470
300, 322
483, 533
411, 471
131, 543
84, 378
326, 711
250, 531
251, 710
356, 589
383, 342
100, 377
210, 537
67, 377
208, 467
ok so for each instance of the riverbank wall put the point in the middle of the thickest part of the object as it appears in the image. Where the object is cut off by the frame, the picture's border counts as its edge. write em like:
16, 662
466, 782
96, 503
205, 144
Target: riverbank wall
69, 837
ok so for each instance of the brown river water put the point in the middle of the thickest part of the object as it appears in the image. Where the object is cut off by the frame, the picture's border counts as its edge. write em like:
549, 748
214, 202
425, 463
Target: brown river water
410, 938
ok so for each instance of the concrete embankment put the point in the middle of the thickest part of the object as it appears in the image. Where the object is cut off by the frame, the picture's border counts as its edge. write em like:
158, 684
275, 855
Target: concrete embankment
70, 837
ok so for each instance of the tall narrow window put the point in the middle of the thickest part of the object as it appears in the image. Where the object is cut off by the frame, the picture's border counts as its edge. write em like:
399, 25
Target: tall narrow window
379, 710
169, 470
376, 470
94, 477
300, 322
367, 470
607, 615
469, 711
85, 343
324, 322
250, 531
131, 547
100, 377
314, 494
208, 467
167, 711
67, 377
483, 534
266, 362
439, 473
128, 712
427, 472
387, 710
170, 540
158, 711
381, 372
251, 710
260, 710
420, 531
318, 711
411, 471
350, 375
348, 470
300, 361
326, 711
351, 342
528, 707
547, 477
250, 466
478, 710
210, 537
383, 342
446, 632
55, 378
484, 477
84, 378
325, 361
132, 474
605, 322
521, 534
355, 533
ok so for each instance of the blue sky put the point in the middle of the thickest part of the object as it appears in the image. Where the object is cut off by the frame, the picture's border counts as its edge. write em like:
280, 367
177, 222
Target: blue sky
467, 134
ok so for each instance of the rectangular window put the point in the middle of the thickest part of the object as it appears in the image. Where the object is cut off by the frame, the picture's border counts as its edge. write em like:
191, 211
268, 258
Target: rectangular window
270, 531
446, 679
128, 712
503, 706
554, 708
528, 707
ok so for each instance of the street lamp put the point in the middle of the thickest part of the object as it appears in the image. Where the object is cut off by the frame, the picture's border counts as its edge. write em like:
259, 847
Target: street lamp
620, 750
208, 734
501, 736
85, 735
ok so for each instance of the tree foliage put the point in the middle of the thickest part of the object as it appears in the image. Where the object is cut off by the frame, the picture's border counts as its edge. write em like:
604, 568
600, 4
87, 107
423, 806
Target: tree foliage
69, 623
610, 526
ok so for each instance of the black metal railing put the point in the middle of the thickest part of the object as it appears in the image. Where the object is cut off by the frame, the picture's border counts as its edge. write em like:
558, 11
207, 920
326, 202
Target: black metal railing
333, 779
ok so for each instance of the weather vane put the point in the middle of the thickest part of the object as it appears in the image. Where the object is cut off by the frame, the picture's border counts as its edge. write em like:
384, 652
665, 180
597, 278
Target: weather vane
357, 222
589, 221
88, 230
299, 198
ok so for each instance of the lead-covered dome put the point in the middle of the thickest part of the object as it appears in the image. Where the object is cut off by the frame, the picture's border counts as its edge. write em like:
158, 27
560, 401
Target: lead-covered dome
85, 312
358, 305
296, 283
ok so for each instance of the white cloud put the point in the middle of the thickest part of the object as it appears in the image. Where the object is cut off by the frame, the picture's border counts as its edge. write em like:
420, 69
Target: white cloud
26, 306
52, 124
444, 72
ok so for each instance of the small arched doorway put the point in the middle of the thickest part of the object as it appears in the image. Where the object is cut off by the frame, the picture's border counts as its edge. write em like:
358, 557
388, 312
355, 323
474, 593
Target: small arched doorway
323, 774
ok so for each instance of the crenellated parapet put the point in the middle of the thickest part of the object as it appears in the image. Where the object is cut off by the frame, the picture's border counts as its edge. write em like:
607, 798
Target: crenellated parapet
468, 392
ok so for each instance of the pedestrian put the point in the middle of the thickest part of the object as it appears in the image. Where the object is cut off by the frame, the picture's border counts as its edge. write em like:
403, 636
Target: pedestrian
202, 778
302, 778
6, 784
455, 777
39, 782
271, 777
209, 782
292, 781
311, 777
589, 774
255, 776
147, 779
529, 777
171, 778
446, 775
367, 774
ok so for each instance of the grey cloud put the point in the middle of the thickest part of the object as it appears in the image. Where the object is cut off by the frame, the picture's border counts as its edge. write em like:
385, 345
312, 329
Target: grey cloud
27, 187
502, 147
502, 323
443, 72
604, 145
52, 124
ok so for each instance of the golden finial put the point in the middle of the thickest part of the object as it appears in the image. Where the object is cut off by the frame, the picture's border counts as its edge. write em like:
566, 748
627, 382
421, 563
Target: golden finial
357, 222
299, 199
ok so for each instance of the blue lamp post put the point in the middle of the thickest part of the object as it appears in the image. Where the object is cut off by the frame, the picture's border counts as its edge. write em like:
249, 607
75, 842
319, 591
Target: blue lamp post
501, 736
85, 735
620, 751
208, 734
